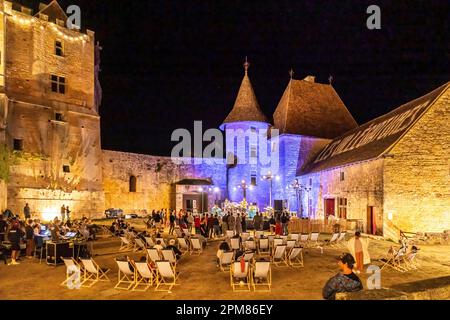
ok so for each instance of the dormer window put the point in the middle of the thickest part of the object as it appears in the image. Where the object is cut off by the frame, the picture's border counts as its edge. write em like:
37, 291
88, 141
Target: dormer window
59, 48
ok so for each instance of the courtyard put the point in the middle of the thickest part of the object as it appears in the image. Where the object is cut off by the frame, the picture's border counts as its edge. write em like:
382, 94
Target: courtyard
201, 279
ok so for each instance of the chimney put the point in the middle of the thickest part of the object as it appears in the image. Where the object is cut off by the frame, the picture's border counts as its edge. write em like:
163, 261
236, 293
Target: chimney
310, 79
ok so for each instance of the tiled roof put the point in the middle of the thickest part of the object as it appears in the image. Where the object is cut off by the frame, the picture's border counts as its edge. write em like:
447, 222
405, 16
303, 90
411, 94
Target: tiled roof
374, 138
312, 109
246, 107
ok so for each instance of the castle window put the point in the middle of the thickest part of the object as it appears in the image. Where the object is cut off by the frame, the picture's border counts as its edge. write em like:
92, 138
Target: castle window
66, 169
253, 179
253, 129
310, 181
310, 210
253, 152
342, 176
342, 208
18, 144
59, 117
133, 183
59, 50
58, 84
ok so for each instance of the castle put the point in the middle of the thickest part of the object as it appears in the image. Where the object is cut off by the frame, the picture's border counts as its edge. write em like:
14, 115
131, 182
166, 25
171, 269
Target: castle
390, 174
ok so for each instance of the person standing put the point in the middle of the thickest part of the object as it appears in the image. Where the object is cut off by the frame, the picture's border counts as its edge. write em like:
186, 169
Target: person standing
216, 226
232, 222
172, 219
210, 228
244, 223
29, 237
190, 220
197, 224
15, 234
238, 224
257, 222
359, 248
27, 212
67, 213
278, 230
63, 213
225, 223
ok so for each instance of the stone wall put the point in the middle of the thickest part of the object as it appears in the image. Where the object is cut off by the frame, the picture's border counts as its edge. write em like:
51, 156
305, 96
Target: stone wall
417, 173
156, 179
362, 187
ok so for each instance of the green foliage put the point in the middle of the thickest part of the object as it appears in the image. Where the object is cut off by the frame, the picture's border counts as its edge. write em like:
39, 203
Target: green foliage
5, 161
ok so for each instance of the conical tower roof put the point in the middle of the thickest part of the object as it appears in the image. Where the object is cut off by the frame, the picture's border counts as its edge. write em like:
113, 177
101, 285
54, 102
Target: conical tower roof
246, 106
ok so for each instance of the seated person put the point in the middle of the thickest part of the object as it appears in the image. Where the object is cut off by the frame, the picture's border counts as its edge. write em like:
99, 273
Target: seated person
158, 246
345, 281
223, 247
175, 250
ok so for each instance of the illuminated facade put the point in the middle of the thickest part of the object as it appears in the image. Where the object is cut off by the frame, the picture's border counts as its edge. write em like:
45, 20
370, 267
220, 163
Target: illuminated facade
389, 174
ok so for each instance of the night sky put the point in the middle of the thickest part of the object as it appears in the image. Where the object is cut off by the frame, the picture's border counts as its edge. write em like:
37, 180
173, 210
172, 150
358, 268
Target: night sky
166, 63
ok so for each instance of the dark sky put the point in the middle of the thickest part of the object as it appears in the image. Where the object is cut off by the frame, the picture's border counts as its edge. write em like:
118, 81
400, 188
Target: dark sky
168, 63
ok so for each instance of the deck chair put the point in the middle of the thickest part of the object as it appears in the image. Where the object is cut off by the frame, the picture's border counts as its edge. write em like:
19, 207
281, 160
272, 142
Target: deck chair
333, 240
294, 236
276, 242
279, 256
393, 259
262, 277
225, 261
249, 257
250, 245
341, 238
235, 243
295, 257
258, 234
290, 244
245, 236
153, 255
126, 244
163, 243
166, 276
263, 247
284, 238
240, 281
303, 239
169, 255
149, 242
71, 265
229, 234
144, 276
186, 232
92, 273
314, 239
108, 232
183, 246
196, 246
178, 233
410, 260
126, 277
139, 245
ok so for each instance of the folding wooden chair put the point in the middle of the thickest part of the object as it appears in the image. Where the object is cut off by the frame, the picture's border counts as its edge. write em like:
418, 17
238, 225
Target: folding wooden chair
250, 245
235, 243
139, 245
290, 244
166, 276
145, 276
92, 273
304, 239
333, 240
276, 242
262, 277
229, 233
178, 232
245, 236
183, 246
341, 238
225, 260
196, 246
279, 256
169, 255
258, 234
126, 245
71, 265
240, 280
186, 232
314, 239
294, 236
163, 243
149, 242
295, 257
126, 276
249, 257
284, 239
263, 246
153, 255
394, 259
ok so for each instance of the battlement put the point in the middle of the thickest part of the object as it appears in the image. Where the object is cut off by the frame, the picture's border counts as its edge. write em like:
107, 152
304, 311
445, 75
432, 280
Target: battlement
47, 15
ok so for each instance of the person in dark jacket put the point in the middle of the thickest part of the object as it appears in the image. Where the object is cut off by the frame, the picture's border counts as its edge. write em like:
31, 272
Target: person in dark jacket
172, 219
14, 236
345, 281
29, 237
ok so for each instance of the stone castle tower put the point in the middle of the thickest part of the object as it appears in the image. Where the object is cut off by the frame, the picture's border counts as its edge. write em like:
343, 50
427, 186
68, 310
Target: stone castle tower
49, 117
246, 120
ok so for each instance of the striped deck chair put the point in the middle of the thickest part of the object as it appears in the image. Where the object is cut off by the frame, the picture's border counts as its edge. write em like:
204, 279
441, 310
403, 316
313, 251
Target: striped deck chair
240, 280
262, 277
